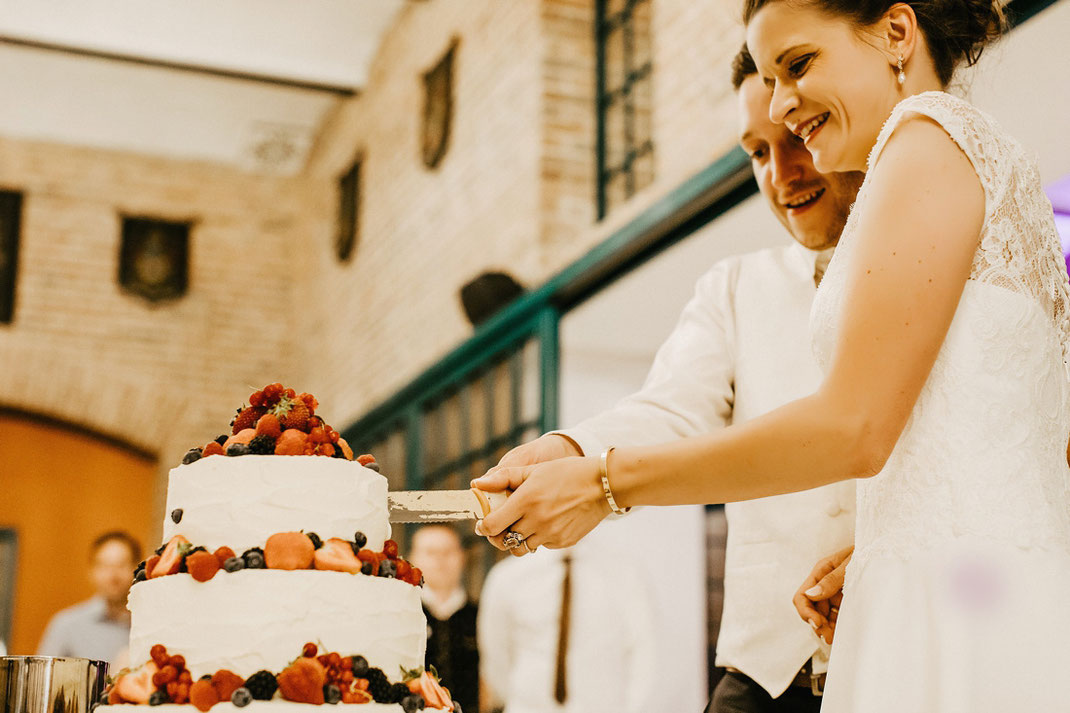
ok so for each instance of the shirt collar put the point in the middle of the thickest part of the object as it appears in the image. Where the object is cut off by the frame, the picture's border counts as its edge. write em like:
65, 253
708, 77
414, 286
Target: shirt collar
443, 610
812, 260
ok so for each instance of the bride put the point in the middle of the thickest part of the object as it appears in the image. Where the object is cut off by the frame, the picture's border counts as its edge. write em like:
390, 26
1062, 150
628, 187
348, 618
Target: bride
943, 326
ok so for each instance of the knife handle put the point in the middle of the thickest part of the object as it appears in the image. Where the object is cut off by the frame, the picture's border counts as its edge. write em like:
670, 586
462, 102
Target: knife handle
489, 501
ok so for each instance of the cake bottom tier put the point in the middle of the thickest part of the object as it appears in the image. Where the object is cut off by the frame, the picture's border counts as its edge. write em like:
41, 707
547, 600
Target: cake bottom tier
251, 620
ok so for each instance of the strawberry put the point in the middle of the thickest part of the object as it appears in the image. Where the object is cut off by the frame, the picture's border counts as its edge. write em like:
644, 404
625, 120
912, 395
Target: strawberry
203, 695
245, 436
303, 681
257, 399
414, 685
171, 559
222, 554
268, 425
226, 682
365, 459
434, 694
136, 686
289, 550
212, 449
149, 564
291, 443
402, 570
247, 418
337, 555
295, 417
202, 565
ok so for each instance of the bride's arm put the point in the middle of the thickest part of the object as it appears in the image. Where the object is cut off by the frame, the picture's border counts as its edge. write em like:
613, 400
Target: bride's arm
913, 249
914, 246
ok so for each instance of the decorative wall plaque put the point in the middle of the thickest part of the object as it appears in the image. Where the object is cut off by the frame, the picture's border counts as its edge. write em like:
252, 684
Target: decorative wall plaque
10, 219
348, 213
438, 108
154, 258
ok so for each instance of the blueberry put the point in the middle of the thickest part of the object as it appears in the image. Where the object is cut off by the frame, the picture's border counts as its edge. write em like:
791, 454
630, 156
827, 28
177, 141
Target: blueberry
241, 697
254, 558
332, 694
233, 564
222, 439
158, 698
139, 576
366, 568
360, 666
411, 704
238, 449
388, 569
192, 455
176, 515
360, 539
373, 466
316, 541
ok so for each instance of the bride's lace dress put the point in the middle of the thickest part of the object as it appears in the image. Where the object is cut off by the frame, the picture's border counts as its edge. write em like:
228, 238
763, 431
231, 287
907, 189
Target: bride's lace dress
958, 594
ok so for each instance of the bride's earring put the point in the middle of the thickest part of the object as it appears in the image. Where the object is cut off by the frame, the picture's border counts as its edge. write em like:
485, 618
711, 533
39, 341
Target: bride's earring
902, 75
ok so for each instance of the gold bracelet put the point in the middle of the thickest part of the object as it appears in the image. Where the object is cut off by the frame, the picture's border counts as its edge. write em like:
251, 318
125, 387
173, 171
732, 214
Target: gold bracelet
603, 470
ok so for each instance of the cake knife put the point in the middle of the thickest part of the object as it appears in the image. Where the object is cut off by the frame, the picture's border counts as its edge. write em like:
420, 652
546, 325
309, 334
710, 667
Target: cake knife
442, 505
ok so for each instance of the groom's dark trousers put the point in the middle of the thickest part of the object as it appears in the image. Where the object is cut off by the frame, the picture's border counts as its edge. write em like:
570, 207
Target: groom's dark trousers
736, 693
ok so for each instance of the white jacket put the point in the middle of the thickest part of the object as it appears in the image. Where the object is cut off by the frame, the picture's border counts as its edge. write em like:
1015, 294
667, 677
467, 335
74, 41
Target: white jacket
741, 349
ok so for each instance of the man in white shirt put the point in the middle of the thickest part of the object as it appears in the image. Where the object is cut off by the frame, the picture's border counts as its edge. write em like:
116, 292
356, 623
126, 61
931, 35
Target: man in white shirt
741, 349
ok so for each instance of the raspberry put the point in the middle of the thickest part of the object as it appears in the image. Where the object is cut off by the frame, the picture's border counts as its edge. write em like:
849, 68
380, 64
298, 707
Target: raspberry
225, 683
223, 554
310, 401
212, 449
390, 549
366, 459
203, 695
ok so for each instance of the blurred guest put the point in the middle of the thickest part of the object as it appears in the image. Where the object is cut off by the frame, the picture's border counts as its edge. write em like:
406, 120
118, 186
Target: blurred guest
99, 627
451, 615
568, 631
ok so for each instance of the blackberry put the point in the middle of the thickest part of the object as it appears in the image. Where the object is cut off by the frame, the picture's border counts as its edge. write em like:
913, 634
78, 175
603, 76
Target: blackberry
233, 564
332, 694
373, 466
158, 698
366, 568
176, 515
360, 666
413, 703
206, 677
397, 693
262, 445
338, 453
388, 569
254, 558
161, 548
192, 455
238, 449
241, 697
222, 439
262, 685
316, 541
139, 576
378, 685
360, 539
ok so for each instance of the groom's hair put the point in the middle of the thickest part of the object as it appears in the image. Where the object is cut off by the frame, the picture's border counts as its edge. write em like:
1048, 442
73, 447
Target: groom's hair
742, 67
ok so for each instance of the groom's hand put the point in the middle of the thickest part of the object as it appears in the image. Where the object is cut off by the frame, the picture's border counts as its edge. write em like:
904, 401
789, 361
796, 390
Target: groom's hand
819, 597
547, 447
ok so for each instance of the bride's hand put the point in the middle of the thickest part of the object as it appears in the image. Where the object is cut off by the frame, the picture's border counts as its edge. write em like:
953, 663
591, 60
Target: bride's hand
554, 503
819, 597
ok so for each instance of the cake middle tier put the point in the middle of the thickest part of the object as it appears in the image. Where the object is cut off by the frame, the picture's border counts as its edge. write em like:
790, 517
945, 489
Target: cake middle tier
260, 619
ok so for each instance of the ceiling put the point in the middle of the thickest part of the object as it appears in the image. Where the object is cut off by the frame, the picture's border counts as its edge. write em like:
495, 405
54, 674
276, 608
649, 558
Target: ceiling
242, 82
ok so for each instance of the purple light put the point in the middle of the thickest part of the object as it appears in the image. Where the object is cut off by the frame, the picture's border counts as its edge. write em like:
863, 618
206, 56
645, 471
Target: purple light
1059, 195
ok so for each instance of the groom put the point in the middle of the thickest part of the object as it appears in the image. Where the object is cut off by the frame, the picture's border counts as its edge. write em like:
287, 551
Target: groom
741, 349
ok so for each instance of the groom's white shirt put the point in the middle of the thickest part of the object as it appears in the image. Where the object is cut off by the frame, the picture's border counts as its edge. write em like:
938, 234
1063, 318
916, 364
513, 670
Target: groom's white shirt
741, 349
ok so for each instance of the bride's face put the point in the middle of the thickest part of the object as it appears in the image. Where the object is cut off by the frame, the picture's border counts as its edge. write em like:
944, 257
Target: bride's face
831, 85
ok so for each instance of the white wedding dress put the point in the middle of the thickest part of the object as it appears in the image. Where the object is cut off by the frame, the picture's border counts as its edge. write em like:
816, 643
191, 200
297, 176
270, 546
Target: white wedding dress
958, 594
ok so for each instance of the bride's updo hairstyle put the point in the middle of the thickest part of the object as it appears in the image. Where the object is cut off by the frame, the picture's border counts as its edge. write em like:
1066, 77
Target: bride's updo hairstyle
955, 30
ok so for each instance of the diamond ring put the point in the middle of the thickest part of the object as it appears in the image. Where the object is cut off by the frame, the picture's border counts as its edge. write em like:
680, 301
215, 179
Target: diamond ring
513, 540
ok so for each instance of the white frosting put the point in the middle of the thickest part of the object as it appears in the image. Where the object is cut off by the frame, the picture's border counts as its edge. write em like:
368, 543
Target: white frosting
250, 620
241, 501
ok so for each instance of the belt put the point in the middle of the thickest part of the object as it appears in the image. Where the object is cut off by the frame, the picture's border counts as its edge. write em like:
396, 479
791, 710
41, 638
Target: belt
805, 678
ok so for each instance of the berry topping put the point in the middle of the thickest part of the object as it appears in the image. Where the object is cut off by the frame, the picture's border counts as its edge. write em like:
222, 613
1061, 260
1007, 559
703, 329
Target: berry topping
302, 681
241, 697
226, 682
268, 425
164, 676
373, 466
158, 654
360, 666
387, 569
192, 455
316, 541
203, 695
176, 515
262, 685
238, 449
247, 418
360, 539
366, 459
309, 650
368, 568
262, 445
234, 564
289, 550
136, 686
346, 450
378, 685
397, 693
337, 555
254, 558
332, 694
390, 549
171, 559
223, 554
292, 442
158, 698
213, 449
221, 439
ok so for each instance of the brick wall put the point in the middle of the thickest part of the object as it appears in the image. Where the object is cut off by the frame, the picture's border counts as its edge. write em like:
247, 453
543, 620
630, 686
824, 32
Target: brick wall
268, 299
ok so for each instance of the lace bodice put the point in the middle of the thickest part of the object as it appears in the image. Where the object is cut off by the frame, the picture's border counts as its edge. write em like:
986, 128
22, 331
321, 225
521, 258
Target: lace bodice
984, 451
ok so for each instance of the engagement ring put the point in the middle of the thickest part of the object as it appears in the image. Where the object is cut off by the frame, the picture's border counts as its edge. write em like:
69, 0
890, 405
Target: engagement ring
513, 540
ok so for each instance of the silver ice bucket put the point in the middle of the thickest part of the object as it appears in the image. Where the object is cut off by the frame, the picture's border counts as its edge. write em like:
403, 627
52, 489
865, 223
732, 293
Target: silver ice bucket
48, 684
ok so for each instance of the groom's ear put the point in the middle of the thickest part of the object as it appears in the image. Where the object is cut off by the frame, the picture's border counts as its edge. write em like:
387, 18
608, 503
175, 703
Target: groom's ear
899, 30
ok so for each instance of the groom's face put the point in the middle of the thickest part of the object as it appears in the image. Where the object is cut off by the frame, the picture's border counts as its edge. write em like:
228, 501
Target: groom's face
811, 205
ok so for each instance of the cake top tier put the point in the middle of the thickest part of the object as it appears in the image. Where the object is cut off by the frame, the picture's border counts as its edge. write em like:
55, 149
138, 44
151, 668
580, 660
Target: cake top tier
240, 502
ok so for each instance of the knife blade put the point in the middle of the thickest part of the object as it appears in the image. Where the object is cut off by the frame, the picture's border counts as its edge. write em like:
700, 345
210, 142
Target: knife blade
442, 505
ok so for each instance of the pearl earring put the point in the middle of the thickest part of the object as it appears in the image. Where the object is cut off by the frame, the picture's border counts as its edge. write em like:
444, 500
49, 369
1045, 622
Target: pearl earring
902, 76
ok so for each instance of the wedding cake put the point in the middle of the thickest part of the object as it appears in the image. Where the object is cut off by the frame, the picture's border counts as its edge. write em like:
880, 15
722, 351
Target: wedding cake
277, 585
